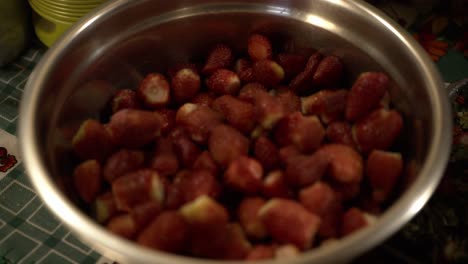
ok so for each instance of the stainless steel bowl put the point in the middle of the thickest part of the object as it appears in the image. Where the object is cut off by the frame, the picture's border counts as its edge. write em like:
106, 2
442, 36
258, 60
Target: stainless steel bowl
126, 38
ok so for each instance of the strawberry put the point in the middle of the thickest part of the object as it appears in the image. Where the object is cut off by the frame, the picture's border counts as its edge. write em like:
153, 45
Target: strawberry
204, 213
167, 120
365, 95
287, 153
185, 149
260, 252
279, 215
223, 81
125, 98
353, 220
268, 72
123, 225
345, 164
320, 199
378, 130
244, 70
227, 144
340, 132
199, 183
329, 72
238, 113
154, 91
305, 132
250, 91
287, 251
266, 152
259, 47
268, 110
221, 56
330, 105
145, 212
164, 160
290, 101
292, 64
173, 70
302, 83
249, 219
383, 170
87, 178
92, 141
122, 162
206, 162
134, 128
137, 187
304, 170
167, 232
245, 175
204, 99
185, 85
274, 185
104, 207
198, 120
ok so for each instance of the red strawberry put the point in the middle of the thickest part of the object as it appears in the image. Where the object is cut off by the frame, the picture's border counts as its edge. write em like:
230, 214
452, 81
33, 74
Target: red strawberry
204, 213
197, 120
289, 100
268, 110
122, 162
134, 128
305, 132
204, 99
250, 91
347, 191
340, 133
244, 174
302, 83
220, 56
138, 187
304, 170
329, 72
154, 91
238, 113
185, 85
244, 70
346, 165
123, 225
266, 153
330, 105
199, 183
378, 130
289, 222
288, 152
165, 160
383, 169
365, 95
353, 220
322, 200
268, 72
224, 81
172, 71
287, 251
249, 218
206, 162
168, 232
87, 178
260, 252
104, 207
292, 64
92, 141
227, 144
167, 120
186, 150
274, 185
125, 98
145, 212
259, 47
176, 190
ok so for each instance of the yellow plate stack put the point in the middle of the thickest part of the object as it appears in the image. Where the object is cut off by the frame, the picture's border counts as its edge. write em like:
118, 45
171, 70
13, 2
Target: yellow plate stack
52, 18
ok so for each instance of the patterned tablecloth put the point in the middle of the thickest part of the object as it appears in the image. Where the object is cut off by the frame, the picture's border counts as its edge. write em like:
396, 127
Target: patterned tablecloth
29, 233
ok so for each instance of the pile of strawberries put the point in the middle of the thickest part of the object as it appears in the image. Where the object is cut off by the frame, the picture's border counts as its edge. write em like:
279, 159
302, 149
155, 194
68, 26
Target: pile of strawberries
261, 157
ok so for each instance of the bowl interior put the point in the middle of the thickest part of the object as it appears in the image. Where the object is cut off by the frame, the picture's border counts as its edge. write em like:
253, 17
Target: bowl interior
122, 45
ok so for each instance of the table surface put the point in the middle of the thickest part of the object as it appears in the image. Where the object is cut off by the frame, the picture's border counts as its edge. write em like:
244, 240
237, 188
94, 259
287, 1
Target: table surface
29, 233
